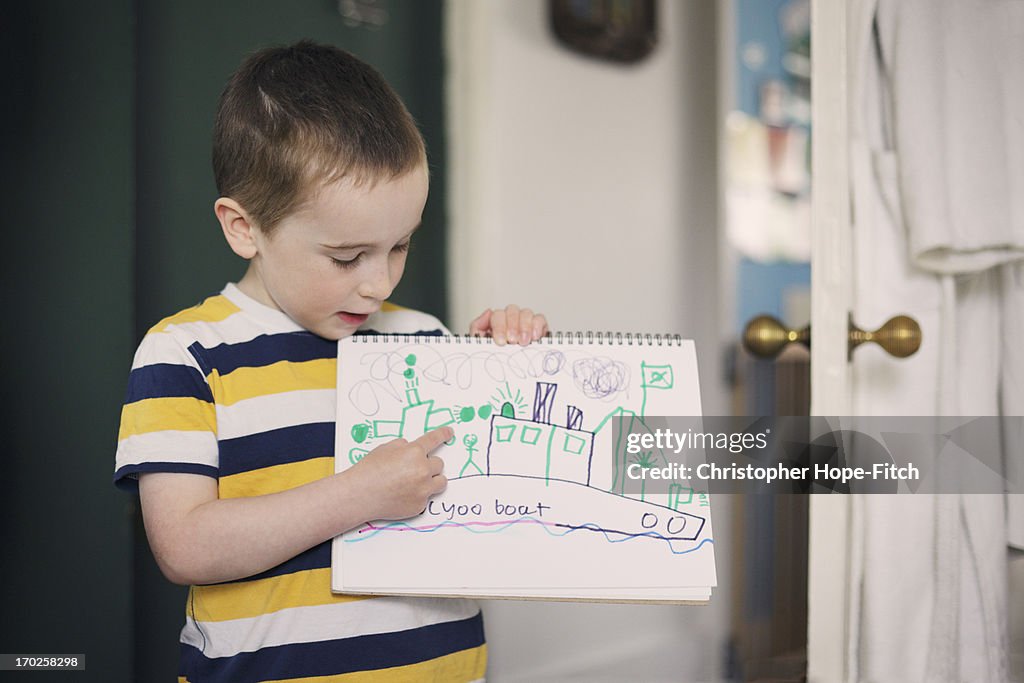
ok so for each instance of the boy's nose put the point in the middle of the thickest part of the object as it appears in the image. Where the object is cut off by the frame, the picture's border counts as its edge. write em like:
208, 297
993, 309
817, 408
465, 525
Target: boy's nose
377, 284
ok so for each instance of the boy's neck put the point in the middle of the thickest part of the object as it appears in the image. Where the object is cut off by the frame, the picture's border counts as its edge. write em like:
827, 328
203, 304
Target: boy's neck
251, 285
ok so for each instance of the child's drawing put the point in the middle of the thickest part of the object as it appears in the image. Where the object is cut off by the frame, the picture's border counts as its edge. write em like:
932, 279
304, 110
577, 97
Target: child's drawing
533, 446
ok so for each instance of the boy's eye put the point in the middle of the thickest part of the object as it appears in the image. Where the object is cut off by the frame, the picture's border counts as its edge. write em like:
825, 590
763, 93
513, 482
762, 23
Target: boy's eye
354, 261
347, 263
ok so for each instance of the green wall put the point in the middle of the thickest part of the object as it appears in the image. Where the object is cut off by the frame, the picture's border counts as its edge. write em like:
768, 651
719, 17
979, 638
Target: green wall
187, 51
108, 227
67, 280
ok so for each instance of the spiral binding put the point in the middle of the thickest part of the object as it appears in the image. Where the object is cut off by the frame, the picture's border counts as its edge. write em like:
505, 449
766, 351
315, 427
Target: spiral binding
560, 338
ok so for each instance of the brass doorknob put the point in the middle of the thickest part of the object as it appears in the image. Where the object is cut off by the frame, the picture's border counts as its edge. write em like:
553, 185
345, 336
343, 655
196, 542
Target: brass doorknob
765, 337
900, 336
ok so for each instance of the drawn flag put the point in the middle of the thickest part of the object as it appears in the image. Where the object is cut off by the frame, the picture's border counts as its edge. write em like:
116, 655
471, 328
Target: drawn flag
657, 376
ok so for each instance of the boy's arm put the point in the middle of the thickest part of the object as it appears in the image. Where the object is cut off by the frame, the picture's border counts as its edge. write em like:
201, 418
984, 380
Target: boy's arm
198, 538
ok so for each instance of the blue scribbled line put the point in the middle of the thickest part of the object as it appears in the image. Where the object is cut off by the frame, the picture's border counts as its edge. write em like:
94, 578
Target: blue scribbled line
587, 526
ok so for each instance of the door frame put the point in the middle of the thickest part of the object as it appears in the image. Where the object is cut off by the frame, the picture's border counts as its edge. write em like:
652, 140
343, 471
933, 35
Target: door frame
830, 532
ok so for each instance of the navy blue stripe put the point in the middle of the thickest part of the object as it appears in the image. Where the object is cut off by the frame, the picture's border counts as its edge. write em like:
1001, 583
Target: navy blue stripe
167, 380
418, 333
276, 447
264, 350
332, 657
267, 349
124, 481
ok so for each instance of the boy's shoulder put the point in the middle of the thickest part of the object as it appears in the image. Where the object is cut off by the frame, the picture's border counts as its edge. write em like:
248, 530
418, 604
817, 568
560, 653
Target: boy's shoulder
230, 319
231, 323
177, 338
211, 310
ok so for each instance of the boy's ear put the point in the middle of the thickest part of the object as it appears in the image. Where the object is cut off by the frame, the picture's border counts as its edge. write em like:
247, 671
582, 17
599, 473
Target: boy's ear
237, 226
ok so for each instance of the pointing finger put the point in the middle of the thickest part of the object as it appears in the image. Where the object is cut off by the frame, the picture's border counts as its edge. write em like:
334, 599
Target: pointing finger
432, 439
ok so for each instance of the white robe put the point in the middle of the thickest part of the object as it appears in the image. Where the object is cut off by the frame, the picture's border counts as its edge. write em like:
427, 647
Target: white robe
937, 168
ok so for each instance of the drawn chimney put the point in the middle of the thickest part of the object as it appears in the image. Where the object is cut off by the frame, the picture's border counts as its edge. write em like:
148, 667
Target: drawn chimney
574, 418
543, 401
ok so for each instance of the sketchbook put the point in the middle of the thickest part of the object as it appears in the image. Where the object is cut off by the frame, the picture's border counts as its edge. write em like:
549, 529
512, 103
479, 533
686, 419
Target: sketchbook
537, 504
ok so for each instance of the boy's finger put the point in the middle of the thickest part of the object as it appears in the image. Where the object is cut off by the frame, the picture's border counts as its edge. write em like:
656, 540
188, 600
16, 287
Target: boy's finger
440, 483
512, 323
525, 331
498, 328
432, 439
540, 326
436, 465
481, 323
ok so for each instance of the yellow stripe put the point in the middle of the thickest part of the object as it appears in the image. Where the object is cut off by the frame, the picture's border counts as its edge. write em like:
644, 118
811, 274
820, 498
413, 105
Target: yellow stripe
263, 596
212, 310
388, 306
277, 378
275, 478
180, 413
467, 665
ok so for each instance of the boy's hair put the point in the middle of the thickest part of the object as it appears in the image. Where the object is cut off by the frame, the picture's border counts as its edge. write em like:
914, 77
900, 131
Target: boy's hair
295, 118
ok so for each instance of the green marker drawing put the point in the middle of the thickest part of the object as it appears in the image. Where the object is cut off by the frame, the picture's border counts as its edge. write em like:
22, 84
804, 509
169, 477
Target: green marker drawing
547, 456
470, 441
654, 377
505, 396
466, 414
646, 461
675, 496
360, 431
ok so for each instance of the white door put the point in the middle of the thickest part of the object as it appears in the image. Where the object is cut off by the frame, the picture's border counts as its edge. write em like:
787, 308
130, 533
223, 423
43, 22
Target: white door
831, 301
837, 386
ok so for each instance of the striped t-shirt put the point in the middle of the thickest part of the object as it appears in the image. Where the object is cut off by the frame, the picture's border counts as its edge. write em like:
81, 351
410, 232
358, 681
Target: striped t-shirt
235, 390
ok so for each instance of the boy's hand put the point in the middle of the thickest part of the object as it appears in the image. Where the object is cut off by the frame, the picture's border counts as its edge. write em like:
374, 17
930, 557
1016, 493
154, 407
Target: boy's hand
511, 324
401, 475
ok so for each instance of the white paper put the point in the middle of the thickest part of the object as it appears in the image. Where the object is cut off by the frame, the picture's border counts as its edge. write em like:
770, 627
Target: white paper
534, 505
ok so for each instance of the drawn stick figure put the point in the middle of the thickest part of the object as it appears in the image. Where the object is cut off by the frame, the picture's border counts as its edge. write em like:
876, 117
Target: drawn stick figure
469, 441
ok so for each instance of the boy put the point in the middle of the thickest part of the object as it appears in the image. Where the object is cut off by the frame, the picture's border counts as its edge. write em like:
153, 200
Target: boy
228, 426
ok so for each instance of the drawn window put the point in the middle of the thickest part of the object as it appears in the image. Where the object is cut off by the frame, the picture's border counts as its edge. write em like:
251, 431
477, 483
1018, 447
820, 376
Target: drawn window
573, 444
439, 418
385, 428
530, 435
504, 433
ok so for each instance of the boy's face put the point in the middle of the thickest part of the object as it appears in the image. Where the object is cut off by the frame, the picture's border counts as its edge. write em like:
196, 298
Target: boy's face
334, 261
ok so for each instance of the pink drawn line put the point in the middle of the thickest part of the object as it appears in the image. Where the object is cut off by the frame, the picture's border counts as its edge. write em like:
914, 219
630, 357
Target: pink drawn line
432, 527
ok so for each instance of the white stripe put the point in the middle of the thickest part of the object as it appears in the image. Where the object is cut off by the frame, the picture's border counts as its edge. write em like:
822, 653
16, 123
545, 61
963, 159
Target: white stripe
163, 348
197, 448
322, 622
406, 321
235, 329
238, 328
273, 411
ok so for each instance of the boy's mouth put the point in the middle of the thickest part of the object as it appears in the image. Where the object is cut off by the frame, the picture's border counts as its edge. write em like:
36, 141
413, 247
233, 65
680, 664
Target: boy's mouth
356, 319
